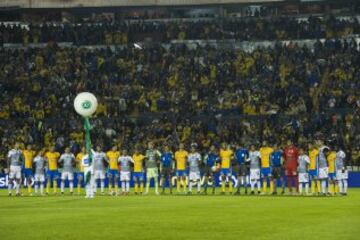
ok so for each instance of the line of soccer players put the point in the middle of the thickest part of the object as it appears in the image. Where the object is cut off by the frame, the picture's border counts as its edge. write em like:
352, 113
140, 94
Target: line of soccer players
317, 167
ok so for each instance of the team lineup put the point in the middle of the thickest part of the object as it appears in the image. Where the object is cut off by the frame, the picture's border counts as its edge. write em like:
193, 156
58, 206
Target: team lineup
313, 170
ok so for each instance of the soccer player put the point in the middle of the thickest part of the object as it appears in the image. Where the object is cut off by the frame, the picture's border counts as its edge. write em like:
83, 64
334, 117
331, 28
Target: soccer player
67, 160
303, 164
113, 172
100, 159
89, 178
315, 184
194, 160
15, 161
276, 163
226, 154
291, 155
254, 158
265, 152
138, 174
211, 159
152, 171
341, 171
332, 187
29, 155
167, 166
40, 163
241, 154
52, 173
125, 160
323, 168
180, 159
80, 169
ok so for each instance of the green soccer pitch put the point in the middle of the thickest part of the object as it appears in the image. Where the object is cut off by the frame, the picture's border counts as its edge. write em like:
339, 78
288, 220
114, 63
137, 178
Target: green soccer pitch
180, 217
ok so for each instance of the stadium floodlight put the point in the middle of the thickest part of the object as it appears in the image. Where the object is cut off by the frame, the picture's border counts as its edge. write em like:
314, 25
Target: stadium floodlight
85, 104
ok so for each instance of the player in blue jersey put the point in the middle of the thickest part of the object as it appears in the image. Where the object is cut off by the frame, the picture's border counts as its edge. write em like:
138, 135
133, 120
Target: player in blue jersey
276, 164
167, 167
242, 168
210, 161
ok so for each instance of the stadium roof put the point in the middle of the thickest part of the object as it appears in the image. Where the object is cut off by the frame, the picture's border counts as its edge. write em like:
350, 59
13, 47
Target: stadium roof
119, 3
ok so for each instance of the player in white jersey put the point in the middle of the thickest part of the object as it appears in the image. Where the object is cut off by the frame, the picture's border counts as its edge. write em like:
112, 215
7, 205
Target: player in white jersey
99, 159
125, 171
89, 176
39, 164
254, 159
341, 172
194, 161
15, 161
323, 173
303, 174
67, 159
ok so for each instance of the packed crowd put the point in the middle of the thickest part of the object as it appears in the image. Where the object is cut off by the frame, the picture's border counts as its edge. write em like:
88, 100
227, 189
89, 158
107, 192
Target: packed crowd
123, 32
163, 94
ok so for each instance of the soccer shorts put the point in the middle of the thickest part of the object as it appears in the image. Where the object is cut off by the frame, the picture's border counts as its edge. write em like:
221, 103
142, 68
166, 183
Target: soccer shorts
28, 172
52, 174
342, 175
276, 172
313, 173
67, 175
99, 174
332, 176
15, 172
124, 175
323, 173
225, 172
194, 175
181, 173
138, 176
265, 172
242, 170
303, 177
208, 171
254, 174
166, 172
80, 174
152, 173
39, 177
113, 173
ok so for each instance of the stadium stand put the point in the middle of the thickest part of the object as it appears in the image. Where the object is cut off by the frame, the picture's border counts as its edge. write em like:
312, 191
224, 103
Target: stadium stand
171, 91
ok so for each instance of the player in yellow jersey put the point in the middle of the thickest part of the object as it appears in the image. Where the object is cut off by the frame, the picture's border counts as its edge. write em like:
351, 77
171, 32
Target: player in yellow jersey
332, 189
180, 160
80, 169
265, 153
113, 171
138, 172
226, 155
313, 153
29, 155
52, 173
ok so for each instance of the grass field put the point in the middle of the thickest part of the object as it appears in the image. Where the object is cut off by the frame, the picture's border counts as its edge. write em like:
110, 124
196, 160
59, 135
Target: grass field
180, 217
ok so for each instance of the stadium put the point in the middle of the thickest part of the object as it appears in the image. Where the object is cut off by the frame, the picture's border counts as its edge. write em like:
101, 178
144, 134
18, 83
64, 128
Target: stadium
179, 119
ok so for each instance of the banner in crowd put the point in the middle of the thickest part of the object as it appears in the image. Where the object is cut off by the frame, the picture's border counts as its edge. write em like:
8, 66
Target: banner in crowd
354, 180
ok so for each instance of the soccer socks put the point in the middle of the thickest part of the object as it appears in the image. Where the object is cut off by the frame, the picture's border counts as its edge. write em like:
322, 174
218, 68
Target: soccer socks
223, 183
156, 183
178, 185
48, 186
258, 185
141, 187
300, 188
313, 185
36, 187
10, 185
62, 186
252, 184
123, 187
42, 188
264, 185
136, 188
345, 185
29, 186
271, 186
336, 188
318, 185
18, 187
102, 186
78, 187
323, 186
306, 188
55, 186
127, 186
110, 187
230, 186
147, 185
190, 186
71, 185
331, 188
198, 186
